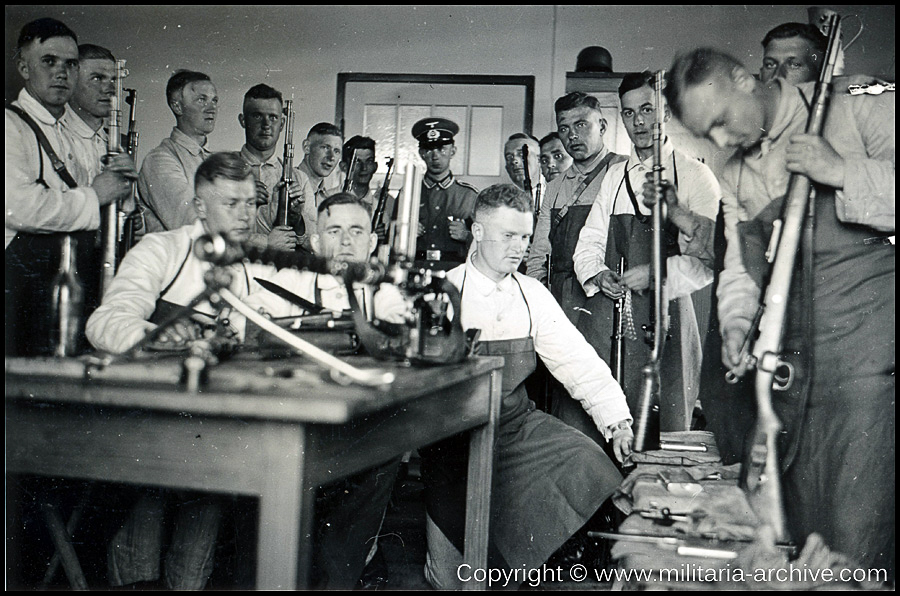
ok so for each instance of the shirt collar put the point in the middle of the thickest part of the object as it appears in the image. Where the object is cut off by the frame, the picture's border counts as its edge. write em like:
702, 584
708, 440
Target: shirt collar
577, 171
444, 183
79, 127
484, 285
37, 111
634, 161
253, 160
181, 138
790, 104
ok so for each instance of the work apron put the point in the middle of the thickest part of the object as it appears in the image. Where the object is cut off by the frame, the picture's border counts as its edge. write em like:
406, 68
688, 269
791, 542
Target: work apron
840, 447
548, 478
631, 236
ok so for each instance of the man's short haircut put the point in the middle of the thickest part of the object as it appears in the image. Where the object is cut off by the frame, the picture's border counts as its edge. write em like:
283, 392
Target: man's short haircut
356, 142
262, 91
325, 129
502, 195
343, 198
553, 136
804, 30
42, 30
522, 135
181, 79
576, 99
694, 68
635, 80
224, 164
88, 51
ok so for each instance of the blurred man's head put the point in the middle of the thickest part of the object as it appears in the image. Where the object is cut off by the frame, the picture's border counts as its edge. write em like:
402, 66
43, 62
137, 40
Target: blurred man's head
344, 229
714, 96
580, 124
323, 148
225, 196
365, 165
794, 52
502, 229
47, 59
96, 83
515, 165
262, 117
194, 100
554, 159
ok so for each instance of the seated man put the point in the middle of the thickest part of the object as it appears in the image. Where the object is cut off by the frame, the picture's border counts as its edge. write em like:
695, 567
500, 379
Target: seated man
348, 512
550, 479
157, 276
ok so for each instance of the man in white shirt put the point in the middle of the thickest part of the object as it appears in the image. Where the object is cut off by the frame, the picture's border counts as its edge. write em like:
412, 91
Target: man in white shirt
39, 199
619, 225
550, 479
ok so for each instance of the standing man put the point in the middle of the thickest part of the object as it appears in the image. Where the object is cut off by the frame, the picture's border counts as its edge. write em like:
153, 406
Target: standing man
41, 201
794, 52
569, 198
838, 465
549, 479
166, 183
515, 166
446, 201
554, 159
262, 118
620, 225
322, 153
363, 170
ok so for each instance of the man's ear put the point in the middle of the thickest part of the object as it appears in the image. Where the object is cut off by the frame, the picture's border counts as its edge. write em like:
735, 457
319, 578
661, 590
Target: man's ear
315, 243
22, 67
200, 207
477, 231
241, 121
742, 79
305, 146
373, 242
452, 149
175, 106
602, 126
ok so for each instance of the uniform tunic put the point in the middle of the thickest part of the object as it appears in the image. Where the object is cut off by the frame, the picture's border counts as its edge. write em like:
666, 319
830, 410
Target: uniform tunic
549, 478
839, 454
439, 202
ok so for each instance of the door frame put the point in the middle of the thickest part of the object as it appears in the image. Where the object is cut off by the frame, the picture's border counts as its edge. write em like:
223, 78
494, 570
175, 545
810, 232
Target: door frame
525, 81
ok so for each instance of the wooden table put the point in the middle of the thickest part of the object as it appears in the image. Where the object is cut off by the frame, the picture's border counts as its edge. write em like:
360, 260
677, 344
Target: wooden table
272, 430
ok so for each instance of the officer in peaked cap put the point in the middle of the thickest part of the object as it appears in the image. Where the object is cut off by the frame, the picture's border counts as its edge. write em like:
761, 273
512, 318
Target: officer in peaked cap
447, 205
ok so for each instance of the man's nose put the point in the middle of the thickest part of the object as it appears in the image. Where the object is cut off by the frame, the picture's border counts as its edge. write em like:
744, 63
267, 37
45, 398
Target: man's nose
720, 138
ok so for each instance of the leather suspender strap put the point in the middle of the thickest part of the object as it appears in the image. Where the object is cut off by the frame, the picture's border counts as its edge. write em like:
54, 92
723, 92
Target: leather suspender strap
583, 187
58, 165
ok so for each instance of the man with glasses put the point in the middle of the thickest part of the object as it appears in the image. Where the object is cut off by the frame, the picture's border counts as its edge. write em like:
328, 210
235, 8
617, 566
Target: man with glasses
446, 203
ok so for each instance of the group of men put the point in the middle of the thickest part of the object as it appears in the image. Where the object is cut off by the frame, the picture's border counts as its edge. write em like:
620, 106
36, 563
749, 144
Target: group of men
574, 210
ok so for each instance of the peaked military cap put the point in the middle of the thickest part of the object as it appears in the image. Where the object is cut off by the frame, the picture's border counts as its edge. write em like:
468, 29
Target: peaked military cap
434, 132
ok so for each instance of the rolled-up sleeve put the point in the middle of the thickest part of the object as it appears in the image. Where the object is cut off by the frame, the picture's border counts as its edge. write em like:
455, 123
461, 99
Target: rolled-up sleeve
589, 258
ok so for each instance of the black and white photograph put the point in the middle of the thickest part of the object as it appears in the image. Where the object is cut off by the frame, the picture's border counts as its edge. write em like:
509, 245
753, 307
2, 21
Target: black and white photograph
450, 297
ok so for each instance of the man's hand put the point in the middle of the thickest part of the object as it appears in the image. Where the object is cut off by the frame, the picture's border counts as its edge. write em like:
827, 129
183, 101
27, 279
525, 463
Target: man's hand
421, 230
115, 181
458, 230
262, 193
282, 238
295, 196
622, 440
813, 156
665, 190
178, 335
381, 231
637, 278
610, 284
733, 337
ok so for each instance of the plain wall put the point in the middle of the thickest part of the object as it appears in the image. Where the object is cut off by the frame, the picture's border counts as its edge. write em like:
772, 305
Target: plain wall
300, 49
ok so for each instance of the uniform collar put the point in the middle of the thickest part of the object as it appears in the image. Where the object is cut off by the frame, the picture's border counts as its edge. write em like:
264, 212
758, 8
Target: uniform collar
634, 161
484, 285
37, 111
79, 127
576, 171
253, 160
443, 183
181, 138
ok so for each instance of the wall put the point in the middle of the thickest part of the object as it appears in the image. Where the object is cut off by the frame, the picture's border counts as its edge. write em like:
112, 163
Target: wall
300, 49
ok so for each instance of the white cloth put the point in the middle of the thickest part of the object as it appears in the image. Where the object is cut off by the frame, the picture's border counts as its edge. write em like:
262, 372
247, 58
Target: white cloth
388, 302
498, 309
121, 320
30, 206
698, 192
90, 147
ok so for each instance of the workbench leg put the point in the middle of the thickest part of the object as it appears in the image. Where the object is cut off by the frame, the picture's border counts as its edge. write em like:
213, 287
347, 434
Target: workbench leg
478, 497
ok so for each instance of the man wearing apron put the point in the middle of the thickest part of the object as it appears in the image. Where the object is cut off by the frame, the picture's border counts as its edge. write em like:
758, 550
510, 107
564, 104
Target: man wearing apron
550, 479
838, 457
569, 198
619, 225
